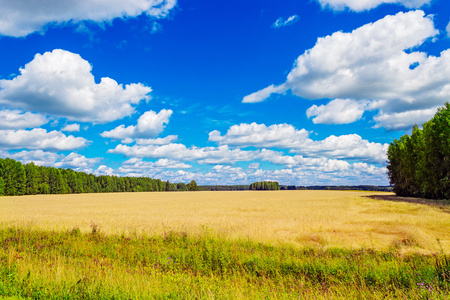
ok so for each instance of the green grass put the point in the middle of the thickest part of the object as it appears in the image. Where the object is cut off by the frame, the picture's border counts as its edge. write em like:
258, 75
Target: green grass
73, 265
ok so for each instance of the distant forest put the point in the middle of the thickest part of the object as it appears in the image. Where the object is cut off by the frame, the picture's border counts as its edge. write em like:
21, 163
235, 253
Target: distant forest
17, 179
29, 179
419, 164
242, 187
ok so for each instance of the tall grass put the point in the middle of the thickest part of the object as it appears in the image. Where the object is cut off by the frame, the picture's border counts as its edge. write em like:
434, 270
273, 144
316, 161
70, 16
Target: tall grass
39, 264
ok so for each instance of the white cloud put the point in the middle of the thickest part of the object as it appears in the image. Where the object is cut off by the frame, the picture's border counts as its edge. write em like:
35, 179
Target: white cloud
171, 164
105, 170
361, 5
74, 161
307, 171
127, 141
39, 138
286, 136
259, 135
370, 65
138, 167
77, 162
296, 169
338, 111
350, 146
179, 152
17, 119
158, 141
263, 94
280, 22
38, 157
60, 83
220, 174
253, 166
20, 18
71, 127
149, 125
404, 120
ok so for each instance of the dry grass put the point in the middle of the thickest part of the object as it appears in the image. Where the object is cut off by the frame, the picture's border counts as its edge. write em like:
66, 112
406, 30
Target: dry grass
344, 219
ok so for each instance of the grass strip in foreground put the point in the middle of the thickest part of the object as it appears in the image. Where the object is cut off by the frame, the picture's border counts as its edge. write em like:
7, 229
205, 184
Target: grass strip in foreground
72, 265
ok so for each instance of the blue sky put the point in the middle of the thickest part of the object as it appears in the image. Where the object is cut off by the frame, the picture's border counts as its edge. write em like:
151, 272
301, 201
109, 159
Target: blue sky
223, 92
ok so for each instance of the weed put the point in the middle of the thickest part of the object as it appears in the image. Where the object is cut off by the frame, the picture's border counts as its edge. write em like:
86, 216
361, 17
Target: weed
442, 266
95, 228
178, 265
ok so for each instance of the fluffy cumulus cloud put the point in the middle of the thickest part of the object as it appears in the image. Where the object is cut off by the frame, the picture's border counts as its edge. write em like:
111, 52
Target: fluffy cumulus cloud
225, 174
374, 64
17, 119
60, 83
294, 170
74, 160
361, 5
280, 22
139, 167
326, 155
105, 170
77, 162
71, 127
351, 146
38, 157
402, 120
286, 136
40, 139
346, 159
179, 152
20, 18
338, 111
149, 125
158, 141
253, 166
259, 135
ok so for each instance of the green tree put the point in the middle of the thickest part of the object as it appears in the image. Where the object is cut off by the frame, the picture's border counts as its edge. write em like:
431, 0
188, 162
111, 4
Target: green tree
264, 186
419, 165
32, 179
14, 178
182, 187
2, 187
73, 181
192, 186
43, 182
57, 183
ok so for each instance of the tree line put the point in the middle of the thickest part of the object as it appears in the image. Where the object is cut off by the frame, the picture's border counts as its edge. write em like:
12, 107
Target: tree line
18, 179
238, 187
246, 187
374, 188
264, 186
419, 164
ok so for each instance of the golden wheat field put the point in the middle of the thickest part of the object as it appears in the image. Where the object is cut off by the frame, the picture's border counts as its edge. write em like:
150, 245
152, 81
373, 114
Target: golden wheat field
344, 219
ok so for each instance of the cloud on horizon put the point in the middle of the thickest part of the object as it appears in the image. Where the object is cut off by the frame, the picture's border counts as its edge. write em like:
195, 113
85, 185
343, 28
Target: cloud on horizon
285, 136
